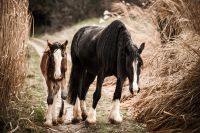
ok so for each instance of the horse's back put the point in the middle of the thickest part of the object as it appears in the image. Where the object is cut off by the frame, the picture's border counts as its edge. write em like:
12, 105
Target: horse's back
84, 47
97, 48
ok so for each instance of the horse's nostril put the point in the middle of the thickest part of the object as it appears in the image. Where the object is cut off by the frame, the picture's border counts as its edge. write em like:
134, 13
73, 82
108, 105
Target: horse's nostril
138, 90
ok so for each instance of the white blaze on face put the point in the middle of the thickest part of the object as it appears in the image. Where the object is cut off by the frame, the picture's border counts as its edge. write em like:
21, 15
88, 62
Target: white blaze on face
57, 59
135, 84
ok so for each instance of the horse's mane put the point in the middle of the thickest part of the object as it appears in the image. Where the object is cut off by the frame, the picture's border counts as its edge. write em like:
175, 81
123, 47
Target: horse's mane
112, 42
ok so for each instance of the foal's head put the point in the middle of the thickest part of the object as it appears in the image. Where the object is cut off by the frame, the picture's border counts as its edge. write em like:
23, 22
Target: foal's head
57, 63
134, 63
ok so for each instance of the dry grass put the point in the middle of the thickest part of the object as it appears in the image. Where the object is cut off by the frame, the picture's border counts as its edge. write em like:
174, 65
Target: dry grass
14, 27
170, 80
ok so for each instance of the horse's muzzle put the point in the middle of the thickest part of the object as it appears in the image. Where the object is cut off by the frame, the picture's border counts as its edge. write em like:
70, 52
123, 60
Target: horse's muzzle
134, 92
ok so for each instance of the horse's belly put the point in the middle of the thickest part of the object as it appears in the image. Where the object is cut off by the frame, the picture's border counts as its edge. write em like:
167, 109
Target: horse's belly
91, 65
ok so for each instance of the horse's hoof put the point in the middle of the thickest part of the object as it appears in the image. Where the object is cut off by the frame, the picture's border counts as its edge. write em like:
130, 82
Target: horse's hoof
48, 124
60, 120
76, 120
84, 116
113, 121
87, 123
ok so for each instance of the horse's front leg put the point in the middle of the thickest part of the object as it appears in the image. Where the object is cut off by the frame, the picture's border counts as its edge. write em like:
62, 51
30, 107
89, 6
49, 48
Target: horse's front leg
91, 119
115, 117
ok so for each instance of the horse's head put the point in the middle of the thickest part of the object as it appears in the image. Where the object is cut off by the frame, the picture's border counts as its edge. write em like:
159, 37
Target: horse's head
134, 63
57, 64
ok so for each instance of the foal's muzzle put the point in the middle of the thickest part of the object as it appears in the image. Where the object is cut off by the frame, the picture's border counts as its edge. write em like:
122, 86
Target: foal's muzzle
58, 78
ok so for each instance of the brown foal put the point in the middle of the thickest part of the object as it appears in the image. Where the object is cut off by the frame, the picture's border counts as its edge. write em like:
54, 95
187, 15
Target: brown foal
54, 67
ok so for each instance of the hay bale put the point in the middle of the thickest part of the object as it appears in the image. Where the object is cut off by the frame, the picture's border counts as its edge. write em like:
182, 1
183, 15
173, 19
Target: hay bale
171, 99
14, 26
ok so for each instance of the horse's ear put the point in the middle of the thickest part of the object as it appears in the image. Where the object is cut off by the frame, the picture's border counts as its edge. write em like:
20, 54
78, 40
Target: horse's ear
48, 43
141, 48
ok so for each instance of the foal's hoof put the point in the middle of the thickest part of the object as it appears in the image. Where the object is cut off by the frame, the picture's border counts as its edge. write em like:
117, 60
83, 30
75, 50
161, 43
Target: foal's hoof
48, 124
113, 121
76, 120
55, 122
60, 120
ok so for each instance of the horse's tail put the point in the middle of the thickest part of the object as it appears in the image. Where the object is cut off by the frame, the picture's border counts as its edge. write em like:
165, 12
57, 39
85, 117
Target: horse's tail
77, 72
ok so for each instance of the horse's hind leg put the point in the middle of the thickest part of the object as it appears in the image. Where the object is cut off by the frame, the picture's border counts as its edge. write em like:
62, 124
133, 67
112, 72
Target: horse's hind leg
76, 112
88, 79
115, 116
91, 119
78, 72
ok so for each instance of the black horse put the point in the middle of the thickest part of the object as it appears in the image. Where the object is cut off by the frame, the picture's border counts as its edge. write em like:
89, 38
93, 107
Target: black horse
102, 52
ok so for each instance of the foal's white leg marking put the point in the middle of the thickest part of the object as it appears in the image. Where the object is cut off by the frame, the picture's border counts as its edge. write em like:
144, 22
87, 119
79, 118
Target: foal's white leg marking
77, 109
57, 58
54, 109
135, 84
64, 116
115, 112
49, 116
91, 116
65, 110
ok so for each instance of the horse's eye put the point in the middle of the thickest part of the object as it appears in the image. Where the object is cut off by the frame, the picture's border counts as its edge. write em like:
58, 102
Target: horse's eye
140, 63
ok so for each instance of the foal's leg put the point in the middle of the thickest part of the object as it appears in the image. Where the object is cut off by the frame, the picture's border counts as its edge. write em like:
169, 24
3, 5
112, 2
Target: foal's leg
91, 119
89, 78
63, 109
50, 97
115, 116
56, 88
54, 109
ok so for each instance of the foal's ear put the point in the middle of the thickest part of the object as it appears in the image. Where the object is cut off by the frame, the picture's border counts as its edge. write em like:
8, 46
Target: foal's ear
141, 48
48, 43
65, 43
